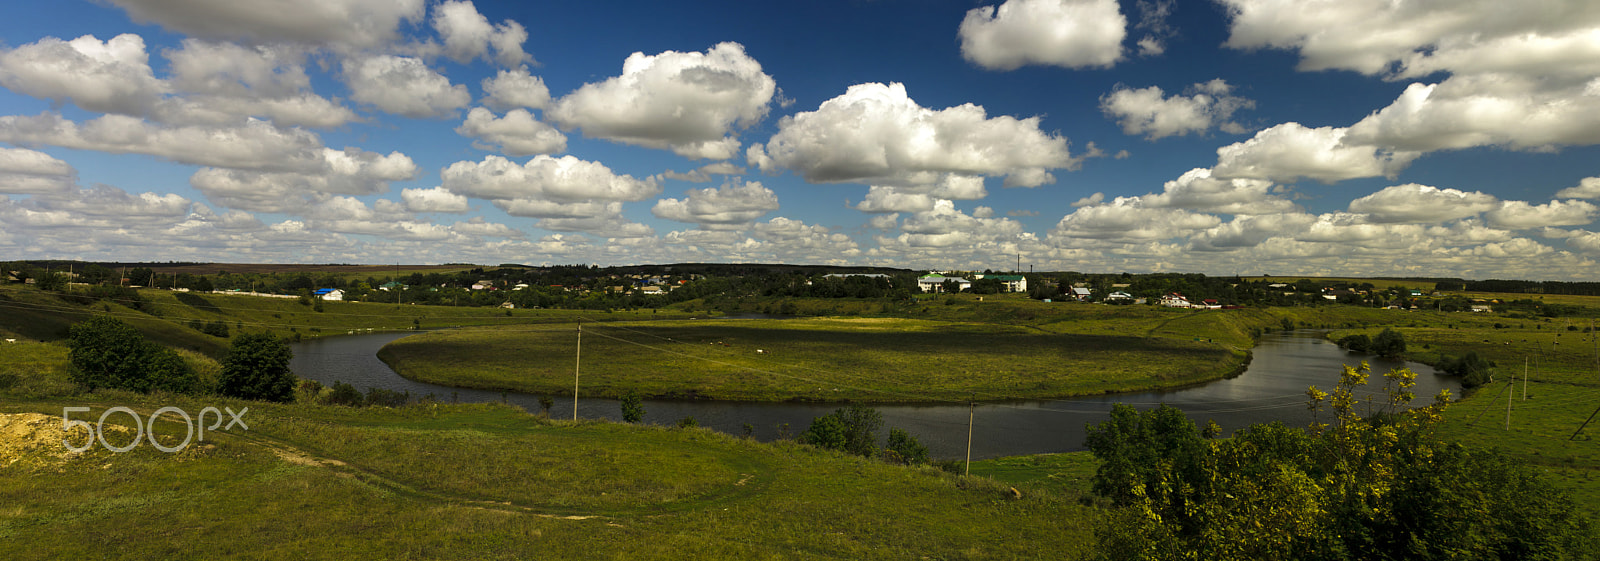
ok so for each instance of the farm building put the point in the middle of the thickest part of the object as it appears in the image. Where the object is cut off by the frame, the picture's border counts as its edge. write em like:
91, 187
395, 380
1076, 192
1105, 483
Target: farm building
329, 294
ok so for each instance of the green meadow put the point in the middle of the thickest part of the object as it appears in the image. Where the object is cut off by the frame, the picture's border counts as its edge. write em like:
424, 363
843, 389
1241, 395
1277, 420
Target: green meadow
489, 481
824, 359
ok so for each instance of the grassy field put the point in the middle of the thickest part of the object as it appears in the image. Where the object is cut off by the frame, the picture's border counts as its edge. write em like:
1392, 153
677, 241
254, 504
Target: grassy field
165, 316
824, 359
491, 482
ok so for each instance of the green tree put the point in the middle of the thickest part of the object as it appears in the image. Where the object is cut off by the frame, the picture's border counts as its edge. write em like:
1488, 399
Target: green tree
1380, 486
632, 407
853, 430
1389, 343
257, 367
902, 448
108, 353
826, 431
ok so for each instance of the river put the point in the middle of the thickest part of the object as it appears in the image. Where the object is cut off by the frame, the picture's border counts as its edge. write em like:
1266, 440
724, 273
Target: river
1283, 364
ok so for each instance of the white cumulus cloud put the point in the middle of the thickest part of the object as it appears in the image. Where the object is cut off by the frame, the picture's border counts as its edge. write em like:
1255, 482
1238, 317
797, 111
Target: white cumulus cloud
518, 133
1066, 33
1150, 112
1291, 151
731, 204
1413, 203
403, 86
875, 133
691, 103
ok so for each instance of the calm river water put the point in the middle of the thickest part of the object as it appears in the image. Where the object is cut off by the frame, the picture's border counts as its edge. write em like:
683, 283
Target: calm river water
1272, 389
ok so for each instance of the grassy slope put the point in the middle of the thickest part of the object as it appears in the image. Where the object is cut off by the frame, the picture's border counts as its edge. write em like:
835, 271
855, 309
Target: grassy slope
997, 350
486, 481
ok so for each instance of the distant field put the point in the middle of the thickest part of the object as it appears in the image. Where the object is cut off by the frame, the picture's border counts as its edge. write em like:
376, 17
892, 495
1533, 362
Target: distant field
263, 268
165, 316
872, 359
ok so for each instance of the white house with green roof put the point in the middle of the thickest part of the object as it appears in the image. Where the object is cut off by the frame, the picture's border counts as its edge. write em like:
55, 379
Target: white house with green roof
934, 282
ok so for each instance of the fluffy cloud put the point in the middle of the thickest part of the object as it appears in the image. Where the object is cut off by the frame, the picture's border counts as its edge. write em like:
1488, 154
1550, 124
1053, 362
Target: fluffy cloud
1495, 110
468, 35
347, 172
252, 145
943, 226
564, 179
1413, 203
1197, 190
919, 198
1522, 80
227, 82
1128, 220
437, 199
1415, 39
24, 171
118, 206
518, 133
703, 173
403, 86
345, 23
510, 89
1249, 231
1589, 188
691, 103
1066, 33
1146, 111
477, 226
875, 133
108, 77
1519, 215
1291, 151
731, 204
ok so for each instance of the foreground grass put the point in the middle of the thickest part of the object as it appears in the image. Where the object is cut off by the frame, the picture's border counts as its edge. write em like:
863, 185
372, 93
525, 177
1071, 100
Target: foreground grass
486, 481
870, 359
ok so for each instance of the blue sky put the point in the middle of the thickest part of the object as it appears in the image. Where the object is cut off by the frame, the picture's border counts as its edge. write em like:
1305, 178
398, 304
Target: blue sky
1230, 137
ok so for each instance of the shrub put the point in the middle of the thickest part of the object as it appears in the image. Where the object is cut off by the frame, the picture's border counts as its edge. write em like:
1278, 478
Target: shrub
903, 448
257, 367
108, 353
687, 422
853, 430
632, 407
1359, 342
343, 394
386, 398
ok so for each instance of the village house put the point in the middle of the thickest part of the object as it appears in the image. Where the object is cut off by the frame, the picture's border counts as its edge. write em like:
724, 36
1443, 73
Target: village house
329, 294
1082, 294
934, 282
1175, 300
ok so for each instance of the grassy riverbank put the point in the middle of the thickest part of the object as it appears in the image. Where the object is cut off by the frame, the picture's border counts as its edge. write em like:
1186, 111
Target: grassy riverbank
490, 482
822, 359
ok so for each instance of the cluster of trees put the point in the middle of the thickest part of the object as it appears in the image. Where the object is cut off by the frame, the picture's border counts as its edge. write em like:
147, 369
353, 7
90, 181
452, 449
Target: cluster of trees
106, 352
855, 431
1473, 370
1388, 344
1381, 486
1532, 287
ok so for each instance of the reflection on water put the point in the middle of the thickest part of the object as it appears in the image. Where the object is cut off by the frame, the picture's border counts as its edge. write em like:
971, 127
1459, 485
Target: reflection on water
1271, 389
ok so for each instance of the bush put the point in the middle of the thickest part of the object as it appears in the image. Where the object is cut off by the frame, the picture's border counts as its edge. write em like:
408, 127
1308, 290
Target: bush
257, 367
108, 353
387, 398
632, 407
1359, 342
343, 394
1378, 487
853, 430
903, 448
1473, 370
687, 422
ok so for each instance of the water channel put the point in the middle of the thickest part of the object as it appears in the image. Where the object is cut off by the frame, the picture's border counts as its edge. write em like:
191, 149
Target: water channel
1272, 389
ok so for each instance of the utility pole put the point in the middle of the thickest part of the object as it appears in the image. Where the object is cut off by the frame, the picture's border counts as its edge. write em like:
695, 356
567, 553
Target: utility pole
577, 363
1524, 378
972, 406
1508, 402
